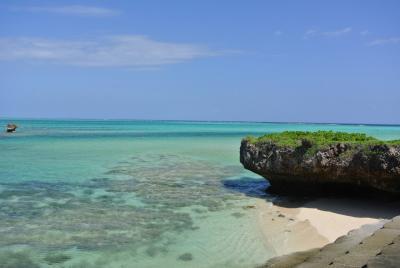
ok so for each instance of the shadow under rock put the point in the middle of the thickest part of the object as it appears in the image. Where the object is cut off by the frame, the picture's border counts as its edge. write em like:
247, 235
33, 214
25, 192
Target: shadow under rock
361, 207
355, 206
252, 187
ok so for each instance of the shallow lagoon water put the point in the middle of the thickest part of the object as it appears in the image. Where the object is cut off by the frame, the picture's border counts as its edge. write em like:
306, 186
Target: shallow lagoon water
134, 193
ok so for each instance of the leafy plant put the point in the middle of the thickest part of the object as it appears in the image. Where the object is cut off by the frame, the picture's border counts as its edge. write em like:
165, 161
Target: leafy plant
319, 138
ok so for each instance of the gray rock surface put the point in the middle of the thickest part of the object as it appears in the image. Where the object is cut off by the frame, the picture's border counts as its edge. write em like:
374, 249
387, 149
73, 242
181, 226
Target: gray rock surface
343, 165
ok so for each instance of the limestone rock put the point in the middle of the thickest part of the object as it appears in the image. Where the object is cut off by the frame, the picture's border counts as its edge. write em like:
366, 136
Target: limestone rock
337, 165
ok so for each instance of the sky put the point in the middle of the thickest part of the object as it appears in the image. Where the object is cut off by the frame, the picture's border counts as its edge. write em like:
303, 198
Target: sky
270, 61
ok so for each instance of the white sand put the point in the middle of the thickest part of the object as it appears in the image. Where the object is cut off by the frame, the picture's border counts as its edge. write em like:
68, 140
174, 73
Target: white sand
317, 223
330, 224
284, 232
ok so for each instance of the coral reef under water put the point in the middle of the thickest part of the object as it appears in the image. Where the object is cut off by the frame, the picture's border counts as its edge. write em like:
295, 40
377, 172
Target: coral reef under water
139, 204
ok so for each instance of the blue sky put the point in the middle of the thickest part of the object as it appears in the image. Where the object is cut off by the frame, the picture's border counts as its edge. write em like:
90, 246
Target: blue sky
303, 61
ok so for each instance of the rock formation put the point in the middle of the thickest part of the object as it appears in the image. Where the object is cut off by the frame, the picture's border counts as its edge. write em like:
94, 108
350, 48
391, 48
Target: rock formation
310, 166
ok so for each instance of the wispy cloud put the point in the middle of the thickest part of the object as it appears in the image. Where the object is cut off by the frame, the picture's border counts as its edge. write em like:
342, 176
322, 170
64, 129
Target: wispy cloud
278, 33
385, 41
76, 10
337, 33
310, 33
365, 32
117, 51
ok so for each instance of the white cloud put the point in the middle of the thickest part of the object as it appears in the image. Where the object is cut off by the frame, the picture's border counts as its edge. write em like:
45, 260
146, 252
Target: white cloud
310, 33
118, 51
76, 10
379, 42
338, 33
278, 33
365, 32
313, 33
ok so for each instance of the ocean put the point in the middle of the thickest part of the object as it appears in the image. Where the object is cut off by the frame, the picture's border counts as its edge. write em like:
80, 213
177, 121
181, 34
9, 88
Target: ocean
109, 193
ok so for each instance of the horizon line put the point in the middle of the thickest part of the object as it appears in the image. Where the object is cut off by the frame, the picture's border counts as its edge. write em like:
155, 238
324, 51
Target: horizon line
194, 120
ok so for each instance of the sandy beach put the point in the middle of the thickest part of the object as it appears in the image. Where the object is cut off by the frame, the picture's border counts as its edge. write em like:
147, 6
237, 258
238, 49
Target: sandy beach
316, 223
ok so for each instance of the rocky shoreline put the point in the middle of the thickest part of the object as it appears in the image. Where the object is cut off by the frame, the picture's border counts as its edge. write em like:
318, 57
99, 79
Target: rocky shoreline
316, 163
337, 166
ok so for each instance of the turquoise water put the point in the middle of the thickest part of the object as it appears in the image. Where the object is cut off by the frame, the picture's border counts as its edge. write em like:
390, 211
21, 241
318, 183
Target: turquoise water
134, 193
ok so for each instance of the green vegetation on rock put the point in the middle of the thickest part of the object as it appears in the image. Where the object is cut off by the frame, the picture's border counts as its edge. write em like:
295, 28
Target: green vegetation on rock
319, 138
316, 161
